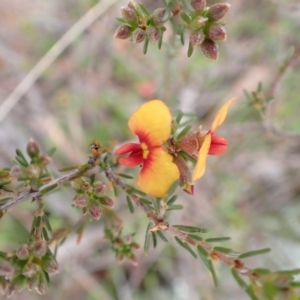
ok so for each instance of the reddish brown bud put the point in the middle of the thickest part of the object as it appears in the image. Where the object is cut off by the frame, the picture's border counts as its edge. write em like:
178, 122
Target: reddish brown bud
210, 49
95, 211
45, 160
50, 264
30, 269
41, 284
138, 35
216, 32
120, 258
198, 5
39, 248
123, 32
108, 202
153, 34
218, 10
80, 200
6, 269
32, 149
188, 144
158, 16
32, 282
23, 252
133, 5
15, 171
218, 145
196, 38
128, 14
4, 286
100, 188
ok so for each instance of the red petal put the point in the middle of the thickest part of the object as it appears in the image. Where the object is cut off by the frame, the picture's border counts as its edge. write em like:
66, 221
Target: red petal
218, 145
128, 147
217, 149
219, 140
132, 160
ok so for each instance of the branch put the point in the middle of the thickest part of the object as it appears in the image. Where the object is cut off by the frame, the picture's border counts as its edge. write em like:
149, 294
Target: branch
33, 194
160, 224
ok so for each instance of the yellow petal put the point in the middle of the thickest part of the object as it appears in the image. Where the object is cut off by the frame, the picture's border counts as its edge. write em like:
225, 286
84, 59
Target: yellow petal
221, 115
151, 123
201, 162
158, 173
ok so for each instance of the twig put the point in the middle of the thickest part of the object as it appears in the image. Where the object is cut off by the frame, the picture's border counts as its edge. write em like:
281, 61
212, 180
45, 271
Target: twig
267, 124
283, 71
70, 36
33, 194
160, 224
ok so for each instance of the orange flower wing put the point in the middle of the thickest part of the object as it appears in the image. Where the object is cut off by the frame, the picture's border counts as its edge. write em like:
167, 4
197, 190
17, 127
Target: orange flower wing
151, 122
158, 173
221, 115
201, 162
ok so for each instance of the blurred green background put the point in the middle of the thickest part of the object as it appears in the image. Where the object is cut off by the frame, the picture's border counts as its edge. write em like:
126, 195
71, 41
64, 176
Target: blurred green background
251, 193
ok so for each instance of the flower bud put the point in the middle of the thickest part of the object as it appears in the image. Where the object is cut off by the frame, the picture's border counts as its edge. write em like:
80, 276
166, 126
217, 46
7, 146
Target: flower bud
153, 34
188, 144
218, 145
50, 264
32, 149
133, 5
30, 270
41, 284
198, 5
100, 189
4, 284
123, 32
218, 10
45, 160
158, 16
138, 35
108, 202
128, 14
196, 38
95, 211
6, 269
199, 22
23, 252
15, 171
216, 32
80, 200
210, 49
32, 282
39, 248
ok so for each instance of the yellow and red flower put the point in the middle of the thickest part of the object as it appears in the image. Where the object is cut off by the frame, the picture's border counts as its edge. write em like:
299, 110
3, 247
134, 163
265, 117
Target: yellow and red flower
152, 124
210, 143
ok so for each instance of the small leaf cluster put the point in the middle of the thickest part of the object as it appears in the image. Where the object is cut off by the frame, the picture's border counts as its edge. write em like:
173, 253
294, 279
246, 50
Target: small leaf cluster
30, 265
27, 171
122, 246
91, 196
